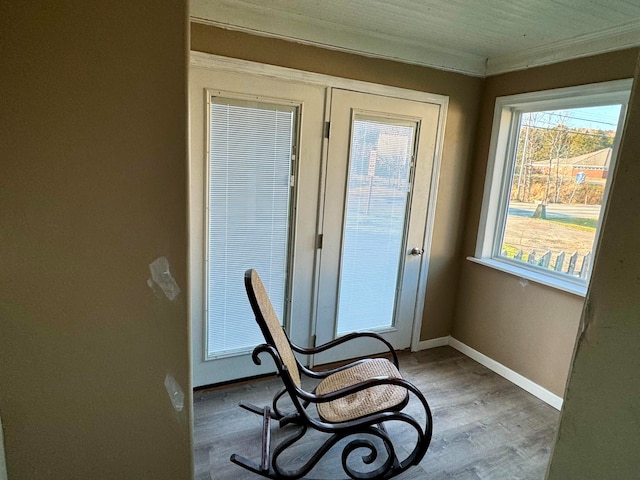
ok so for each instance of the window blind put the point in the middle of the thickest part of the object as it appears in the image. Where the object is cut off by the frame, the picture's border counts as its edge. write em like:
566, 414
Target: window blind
248, 216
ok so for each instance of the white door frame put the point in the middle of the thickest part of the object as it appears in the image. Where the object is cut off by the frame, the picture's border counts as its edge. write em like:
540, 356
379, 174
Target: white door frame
205, 60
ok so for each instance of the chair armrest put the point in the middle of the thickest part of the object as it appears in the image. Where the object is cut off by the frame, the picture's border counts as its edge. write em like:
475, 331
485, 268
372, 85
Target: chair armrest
346, 338
325, 373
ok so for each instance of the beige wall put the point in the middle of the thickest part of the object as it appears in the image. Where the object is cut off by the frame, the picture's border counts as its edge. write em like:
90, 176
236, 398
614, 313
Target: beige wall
3, 463
531, 329
464, 94
598, 436
92, 190
600, 424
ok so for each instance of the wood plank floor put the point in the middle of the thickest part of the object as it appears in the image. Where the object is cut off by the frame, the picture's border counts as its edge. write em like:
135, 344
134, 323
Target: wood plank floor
484, 427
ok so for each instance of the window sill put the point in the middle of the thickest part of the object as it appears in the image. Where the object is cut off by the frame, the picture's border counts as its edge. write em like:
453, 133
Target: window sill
527, 274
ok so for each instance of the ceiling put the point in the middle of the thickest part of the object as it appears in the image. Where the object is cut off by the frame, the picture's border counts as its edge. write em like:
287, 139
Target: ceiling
476, 37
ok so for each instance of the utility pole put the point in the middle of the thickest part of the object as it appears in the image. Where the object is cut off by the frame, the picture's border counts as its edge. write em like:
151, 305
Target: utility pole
524, 157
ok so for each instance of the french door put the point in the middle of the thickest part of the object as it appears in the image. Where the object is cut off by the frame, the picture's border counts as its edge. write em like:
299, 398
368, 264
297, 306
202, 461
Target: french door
255, 158
335, 227
379, 172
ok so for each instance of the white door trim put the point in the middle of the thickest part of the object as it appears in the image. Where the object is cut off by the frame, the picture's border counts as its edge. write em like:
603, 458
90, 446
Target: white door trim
207, 60
217, 62
428, 234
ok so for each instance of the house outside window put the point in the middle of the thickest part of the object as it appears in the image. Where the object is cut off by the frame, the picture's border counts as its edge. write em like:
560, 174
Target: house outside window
551, 160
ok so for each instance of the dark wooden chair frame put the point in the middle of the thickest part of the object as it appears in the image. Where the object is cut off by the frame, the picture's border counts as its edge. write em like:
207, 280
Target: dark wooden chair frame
361, 429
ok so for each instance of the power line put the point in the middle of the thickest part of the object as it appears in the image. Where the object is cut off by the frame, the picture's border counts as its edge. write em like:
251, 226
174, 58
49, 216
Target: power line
577, 118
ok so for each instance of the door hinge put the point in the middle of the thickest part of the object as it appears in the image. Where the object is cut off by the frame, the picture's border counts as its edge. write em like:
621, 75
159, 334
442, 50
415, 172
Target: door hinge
327, 129
319, 241
314, 339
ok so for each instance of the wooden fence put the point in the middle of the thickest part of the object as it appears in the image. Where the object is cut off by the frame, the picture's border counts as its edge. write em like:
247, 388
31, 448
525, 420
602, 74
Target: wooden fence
544, 261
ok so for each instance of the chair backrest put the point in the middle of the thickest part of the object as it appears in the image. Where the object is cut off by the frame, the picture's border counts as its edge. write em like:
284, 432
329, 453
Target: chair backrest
269, 323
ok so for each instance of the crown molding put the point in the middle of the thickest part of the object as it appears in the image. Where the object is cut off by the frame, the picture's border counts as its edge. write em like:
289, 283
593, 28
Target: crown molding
378, 45
608, 40
368, 44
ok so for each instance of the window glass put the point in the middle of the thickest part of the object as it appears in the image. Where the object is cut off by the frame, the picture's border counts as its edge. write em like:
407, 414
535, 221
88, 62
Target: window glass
562, 163
377, 198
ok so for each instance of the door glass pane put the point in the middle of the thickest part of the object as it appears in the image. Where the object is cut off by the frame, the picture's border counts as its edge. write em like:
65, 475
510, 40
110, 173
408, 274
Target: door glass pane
250, 155
376, 207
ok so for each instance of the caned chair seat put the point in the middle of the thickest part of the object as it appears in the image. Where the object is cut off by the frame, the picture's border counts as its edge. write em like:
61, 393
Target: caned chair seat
365, 402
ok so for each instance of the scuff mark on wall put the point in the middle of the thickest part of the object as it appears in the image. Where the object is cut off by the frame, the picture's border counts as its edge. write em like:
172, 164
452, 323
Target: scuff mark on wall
161, 276
176, 395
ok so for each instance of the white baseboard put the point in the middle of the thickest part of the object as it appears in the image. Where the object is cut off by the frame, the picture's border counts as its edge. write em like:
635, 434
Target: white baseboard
533, 388
433, 343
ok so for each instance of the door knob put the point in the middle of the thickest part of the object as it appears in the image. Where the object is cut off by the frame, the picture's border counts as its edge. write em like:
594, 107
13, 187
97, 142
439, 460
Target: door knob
417, 251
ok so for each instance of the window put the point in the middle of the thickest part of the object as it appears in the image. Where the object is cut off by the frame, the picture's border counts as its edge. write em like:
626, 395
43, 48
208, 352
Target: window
551, 158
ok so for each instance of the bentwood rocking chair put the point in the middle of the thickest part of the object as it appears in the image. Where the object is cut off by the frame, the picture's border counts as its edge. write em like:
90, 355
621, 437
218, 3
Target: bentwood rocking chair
354, 403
